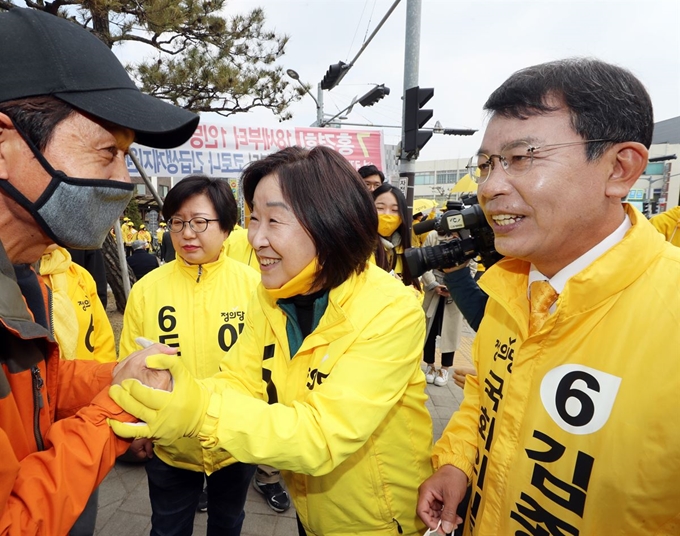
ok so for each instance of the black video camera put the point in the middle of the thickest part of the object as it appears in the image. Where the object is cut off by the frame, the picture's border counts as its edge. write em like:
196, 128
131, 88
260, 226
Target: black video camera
476, 238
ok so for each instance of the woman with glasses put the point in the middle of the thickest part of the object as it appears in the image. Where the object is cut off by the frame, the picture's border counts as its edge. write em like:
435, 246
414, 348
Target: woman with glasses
196, 304
325, 382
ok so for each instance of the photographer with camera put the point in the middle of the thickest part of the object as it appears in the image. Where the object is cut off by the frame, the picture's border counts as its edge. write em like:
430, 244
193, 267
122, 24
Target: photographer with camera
471, 237
565, 424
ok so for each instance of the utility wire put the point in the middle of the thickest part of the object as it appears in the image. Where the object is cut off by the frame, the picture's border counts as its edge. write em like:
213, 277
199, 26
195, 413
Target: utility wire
356, 31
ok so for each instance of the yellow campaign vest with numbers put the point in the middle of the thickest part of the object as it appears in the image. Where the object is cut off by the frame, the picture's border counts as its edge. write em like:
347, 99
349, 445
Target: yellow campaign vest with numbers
200, 315
574, 430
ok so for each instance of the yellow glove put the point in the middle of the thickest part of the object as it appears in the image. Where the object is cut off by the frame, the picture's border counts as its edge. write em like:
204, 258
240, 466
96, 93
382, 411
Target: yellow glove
167, 415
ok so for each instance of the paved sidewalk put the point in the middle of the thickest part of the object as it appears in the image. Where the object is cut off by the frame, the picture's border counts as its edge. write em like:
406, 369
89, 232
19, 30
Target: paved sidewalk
124, 507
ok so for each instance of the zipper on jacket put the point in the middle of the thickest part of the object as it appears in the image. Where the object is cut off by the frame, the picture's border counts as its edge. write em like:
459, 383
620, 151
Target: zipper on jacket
38, 404
399, 529
200, 271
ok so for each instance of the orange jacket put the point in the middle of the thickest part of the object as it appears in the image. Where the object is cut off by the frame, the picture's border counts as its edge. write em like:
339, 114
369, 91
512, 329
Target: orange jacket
55, 443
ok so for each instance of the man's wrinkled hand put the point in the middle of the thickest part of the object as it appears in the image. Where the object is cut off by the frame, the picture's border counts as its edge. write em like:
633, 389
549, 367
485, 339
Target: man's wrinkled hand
166, 416
439, 497
134, 367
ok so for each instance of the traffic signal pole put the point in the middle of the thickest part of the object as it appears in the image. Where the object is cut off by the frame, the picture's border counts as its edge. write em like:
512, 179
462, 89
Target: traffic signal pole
407, 168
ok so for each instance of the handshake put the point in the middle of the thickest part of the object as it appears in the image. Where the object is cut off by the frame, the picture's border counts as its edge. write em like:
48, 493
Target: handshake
153, 385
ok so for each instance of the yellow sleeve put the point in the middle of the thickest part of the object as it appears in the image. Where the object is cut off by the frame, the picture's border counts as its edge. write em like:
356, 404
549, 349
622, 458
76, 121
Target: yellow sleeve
316, 434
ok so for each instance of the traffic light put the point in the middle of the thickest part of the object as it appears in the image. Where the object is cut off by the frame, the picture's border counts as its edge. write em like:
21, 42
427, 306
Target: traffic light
374, 95
414, 118
333, 75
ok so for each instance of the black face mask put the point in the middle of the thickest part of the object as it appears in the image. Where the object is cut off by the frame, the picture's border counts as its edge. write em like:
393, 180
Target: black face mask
75, 213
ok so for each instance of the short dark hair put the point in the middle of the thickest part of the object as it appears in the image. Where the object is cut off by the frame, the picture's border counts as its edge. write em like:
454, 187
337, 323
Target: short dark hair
218, 191
37, 117
331, 203
367, 171
605, 101
403, 229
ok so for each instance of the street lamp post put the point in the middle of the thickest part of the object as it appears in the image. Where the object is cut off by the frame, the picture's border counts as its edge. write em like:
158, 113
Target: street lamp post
318, 101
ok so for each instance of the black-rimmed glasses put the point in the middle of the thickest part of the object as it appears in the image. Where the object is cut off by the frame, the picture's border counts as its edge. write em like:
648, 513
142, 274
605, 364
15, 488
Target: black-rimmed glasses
516, 158
197, 225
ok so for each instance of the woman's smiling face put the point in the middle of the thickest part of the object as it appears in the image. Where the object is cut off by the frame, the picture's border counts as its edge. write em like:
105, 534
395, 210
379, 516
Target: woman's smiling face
281, 243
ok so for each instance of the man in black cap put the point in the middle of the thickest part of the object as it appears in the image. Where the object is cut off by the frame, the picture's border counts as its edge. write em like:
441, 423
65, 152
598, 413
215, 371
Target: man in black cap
67, 109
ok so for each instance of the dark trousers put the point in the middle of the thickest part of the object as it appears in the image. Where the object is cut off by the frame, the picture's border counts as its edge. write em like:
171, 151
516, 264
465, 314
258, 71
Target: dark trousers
174, 497
436, 329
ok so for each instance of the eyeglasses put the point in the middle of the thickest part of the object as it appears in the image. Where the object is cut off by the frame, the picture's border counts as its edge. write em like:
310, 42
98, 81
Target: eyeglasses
516, 158
197, 225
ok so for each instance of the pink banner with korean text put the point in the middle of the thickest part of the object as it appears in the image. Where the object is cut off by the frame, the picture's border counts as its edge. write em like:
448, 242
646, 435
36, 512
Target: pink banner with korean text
223, 151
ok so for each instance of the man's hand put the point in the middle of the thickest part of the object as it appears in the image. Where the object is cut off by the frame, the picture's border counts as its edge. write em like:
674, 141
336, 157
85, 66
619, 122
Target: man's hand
134, 367
166, 416
141, 449
442, 291
459, 374
439, 497
456, 268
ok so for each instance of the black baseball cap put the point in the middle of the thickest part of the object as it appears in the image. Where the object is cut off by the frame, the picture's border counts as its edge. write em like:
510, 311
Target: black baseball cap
42, 54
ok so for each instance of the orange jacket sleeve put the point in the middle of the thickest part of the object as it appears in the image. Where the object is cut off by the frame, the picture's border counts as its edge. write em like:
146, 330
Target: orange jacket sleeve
78, 381
45, 492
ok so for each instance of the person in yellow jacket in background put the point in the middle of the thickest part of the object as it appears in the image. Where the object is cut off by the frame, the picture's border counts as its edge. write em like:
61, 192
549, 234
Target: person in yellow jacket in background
81, 326
162, 229
197, 304
393, 231
144, 235
82, 330
237, 247
325, 381
668, 224
567, 426
129, 233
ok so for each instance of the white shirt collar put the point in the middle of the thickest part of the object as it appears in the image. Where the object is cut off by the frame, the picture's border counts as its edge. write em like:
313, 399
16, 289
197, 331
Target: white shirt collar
559, 280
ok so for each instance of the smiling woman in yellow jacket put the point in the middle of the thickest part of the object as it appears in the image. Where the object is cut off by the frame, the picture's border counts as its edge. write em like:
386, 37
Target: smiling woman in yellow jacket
196, 304
325, 381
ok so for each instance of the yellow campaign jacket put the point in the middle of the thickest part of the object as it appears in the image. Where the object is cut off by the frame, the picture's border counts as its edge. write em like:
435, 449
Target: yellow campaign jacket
203, 317
574, 430
668, 224
237, 247
159, 235
145, 235
344, 419
128, 231
81, 326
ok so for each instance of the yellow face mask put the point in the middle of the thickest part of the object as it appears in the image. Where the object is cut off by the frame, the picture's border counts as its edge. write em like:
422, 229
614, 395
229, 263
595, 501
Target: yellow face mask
300, 284
387, 224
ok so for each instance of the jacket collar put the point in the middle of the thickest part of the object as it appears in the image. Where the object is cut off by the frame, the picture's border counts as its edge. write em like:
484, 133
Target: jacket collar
200, 272
15, 316
334, 324
615, 270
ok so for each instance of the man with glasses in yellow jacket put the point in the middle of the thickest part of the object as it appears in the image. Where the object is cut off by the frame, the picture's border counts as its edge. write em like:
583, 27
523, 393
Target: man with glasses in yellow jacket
567, 427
